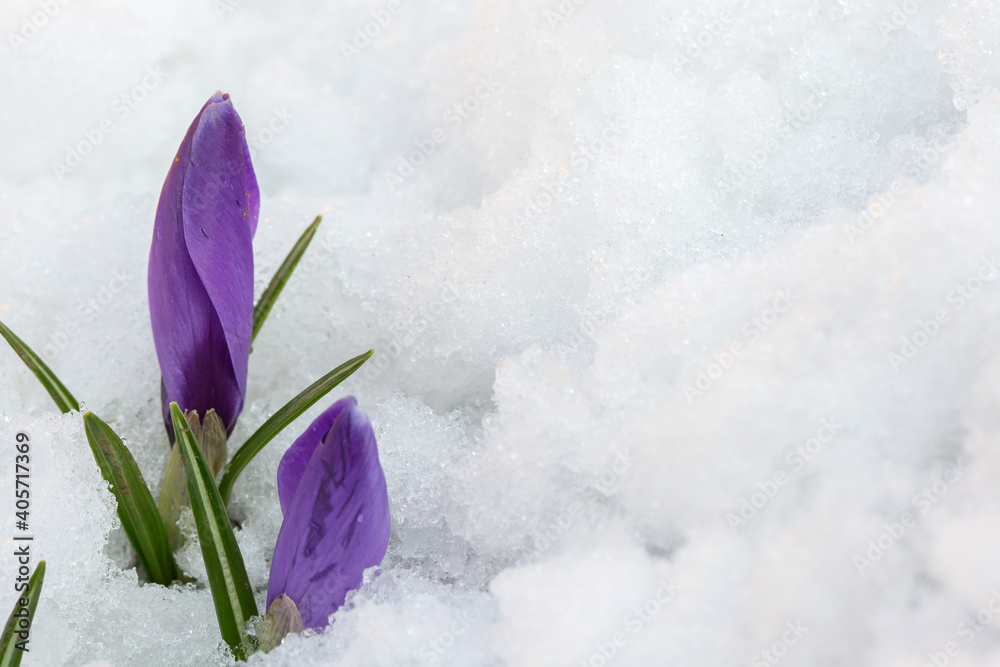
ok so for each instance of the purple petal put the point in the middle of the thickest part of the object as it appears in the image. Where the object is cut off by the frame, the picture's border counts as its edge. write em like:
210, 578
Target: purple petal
293, 463
201, 266
337, 524
218, 219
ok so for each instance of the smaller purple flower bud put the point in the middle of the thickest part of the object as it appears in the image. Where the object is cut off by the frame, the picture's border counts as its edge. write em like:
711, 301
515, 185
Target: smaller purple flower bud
336, 507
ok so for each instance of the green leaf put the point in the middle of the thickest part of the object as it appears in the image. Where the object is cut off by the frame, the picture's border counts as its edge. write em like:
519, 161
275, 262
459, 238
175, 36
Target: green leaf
57, 390
136, 507
20, 619
227, 575
285, 416
270, 295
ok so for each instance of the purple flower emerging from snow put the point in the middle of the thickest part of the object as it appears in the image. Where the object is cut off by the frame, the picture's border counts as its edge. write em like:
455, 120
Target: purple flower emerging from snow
336, 507
201, 266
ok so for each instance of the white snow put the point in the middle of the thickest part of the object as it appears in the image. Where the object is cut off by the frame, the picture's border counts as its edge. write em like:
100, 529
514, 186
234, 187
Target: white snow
654, 276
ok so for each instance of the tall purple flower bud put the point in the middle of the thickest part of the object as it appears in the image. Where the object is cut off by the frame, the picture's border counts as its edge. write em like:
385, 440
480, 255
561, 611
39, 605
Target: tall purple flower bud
333, 495
201, 267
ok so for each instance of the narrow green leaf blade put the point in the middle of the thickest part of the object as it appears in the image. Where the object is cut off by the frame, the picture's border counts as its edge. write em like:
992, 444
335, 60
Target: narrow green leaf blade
20, 619
285, 416
57, 390
136, 508
284, 272
227, 575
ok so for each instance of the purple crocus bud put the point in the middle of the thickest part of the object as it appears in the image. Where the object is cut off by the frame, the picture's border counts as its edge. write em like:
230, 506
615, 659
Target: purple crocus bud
336, 508
201, 267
